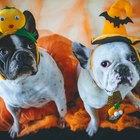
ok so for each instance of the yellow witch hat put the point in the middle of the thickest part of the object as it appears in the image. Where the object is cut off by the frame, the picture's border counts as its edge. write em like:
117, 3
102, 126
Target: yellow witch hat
114, 29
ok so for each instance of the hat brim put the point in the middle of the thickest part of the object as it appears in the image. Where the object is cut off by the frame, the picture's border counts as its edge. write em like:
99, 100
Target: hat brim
108, 38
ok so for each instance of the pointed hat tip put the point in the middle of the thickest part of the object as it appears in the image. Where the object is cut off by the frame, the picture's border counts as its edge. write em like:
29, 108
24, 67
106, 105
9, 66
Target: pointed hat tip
119, 6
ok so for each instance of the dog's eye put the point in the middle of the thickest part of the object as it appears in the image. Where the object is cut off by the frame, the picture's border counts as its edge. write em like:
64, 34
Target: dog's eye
30, 46
105, 64
2, 18
17, 17
132, 59
3, 52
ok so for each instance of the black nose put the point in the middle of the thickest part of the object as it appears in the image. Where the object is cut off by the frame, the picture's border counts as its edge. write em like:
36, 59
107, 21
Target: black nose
123, 71
24, 57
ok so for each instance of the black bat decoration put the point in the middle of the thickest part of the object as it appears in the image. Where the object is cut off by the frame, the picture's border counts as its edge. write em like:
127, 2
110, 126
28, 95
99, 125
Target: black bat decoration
116, 20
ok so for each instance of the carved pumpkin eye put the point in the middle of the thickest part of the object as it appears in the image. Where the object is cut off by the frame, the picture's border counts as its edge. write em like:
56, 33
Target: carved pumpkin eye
17, 17
105, 64
2, 18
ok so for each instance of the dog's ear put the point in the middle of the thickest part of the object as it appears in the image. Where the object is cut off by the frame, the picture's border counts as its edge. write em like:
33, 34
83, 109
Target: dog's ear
30, 24
82, 53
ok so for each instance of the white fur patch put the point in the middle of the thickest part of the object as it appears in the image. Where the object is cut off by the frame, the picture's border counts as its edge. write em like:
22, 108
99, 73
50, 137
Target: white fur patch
16, 41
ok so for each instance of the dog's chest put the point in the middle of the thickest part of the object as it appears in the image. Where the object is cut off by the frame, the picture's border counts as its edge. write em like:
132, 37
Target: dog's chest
89, 92
33, 94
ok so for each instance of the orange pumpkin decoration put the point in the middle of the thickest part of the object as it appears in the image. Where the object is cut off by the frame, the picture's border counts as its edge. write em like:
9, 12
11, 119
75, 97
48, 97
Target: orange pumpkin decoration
5, 117
116, 111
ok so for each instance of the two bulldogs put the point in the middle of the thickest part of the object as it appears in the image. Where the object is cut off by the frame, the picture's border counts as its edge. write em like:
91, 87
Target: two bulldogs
32, 83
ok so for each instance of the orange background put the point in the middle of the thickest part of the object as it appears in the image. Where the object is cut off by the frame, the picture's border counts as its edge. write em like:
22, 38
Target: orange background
77, 20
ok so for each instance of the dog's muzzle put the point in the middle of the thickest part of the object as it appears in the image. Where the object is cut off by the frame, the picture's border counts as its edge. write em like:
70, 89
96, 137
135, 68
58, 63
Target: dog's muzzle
124, 74
21, 63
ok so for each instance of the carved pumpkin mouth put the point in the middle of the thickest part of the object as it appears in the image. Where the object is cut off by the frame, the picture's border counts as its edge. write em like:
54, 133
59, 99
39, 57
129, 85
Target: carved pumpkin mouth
11, 26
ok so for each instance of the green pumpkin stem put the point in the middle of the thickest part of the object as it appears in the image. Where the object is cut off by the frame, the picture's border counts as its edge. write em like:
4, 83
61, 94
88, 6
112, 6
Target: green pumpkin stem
116, 106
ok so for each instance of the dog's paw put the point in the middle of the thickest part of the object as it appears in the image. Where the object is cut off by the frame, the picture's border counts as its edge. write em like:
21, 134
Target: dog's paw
14, 130
62, 122
137, 103
92, 128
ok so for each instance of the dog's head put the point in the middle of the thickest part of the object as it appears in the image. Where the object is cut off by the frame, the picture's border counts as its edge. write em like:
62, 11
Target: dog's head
19, 54
114, 66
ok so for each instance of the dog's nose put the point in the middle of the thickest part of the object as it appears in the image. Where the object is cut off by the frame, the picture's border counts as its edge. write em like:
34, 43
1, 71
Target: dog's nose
23, 57
123, 71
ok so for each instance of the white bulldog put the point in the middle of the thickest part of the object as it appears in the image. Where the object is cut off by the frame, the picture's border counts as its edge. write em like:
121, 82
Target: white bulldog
106, 69
29, 82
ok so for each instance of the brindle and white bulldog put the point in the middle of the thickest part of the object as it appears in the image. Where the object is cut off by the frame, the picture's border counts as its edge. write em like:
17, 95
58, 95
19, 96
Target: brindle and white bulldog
32, 76
107, 68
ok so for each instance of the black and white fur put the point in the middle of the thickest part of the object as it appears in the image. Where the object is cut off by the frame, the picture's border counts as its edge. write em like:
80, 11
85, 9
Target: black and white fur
110, 67
29, 86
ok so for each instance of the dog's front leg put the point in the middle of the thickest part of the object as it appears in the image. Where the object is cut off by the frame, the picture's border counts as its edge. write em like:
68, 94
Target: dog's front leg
14, 130
94, 122
134, 99
62, 109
